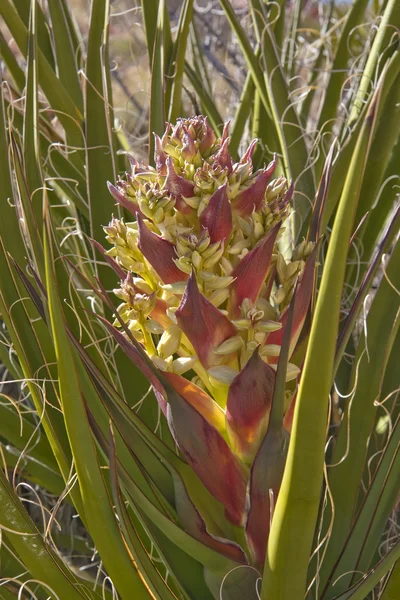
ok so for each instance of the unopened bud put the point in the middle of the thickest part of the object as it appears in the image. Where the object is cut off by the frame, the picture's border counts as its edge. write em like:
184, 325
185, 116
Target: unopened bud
230, 345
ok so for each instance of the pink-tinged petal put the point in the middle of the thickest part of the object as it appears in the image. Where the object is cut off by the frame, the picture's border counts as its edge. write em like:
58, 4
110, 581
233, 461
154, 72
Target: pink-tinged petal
223, 158
248, 155
248, 406
194, 524
188, 148
116, 193
217, 216
251, 272
113, 263
159, 252
302, 303
159, 313
252, 198
209, 456
288, 196
265, 481
225, 132
197, 398
204, 325
208, 138
160, 156
179, 187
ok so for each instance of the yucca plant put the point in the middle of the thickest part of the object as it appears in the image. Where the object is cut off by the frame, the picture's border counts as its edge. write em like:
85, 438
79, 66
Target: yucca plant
231, 429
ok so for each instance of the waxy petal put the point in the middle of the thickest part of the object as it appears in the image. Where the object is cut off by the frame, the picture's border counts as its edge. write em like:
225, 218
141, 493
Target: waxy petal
199, 399
208, 138
251, 272
160, 157
217, 216
249, 403
209, 456
248, 155
159, 252
252, 198
179, 187
265, 481
116, 193
204, 325
188, 148
159, 313
302, 302
223, 158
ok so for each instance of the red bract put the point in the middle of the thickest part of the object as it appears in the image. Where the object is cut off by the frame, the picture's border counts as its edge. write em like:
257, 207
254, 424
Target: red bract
252, 197
248, 406
251, 272
204, 325
159, 252
217, 216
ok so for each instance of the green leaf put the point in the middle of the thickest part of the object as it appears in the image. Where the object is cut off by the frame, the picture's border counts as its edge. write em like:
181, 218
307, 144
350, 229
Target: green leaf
157, 106
8, 57
390, 20
177, 66
31, 148
98, 512
392, 588
349, 455
99, 136
150, 11
296, 511
39, 557
337, 74
361, 590
65, 53
59, 98
207, 101
146, 567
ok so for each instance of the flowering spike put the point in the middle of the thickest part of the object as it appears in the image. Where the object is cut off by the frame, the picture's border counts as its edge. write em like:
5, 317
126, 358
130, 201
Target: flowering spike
159, 252
204, 325
252, 197
197, 398
160, 156
302, 302
265, 480
252, 270
248, 406
217, 216
178, 186
209, 455
222, 158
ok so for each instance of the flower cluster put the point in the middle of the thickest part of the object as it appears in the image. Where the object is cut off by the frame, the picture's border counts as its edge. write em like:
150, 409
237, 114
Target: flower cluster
205, 290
